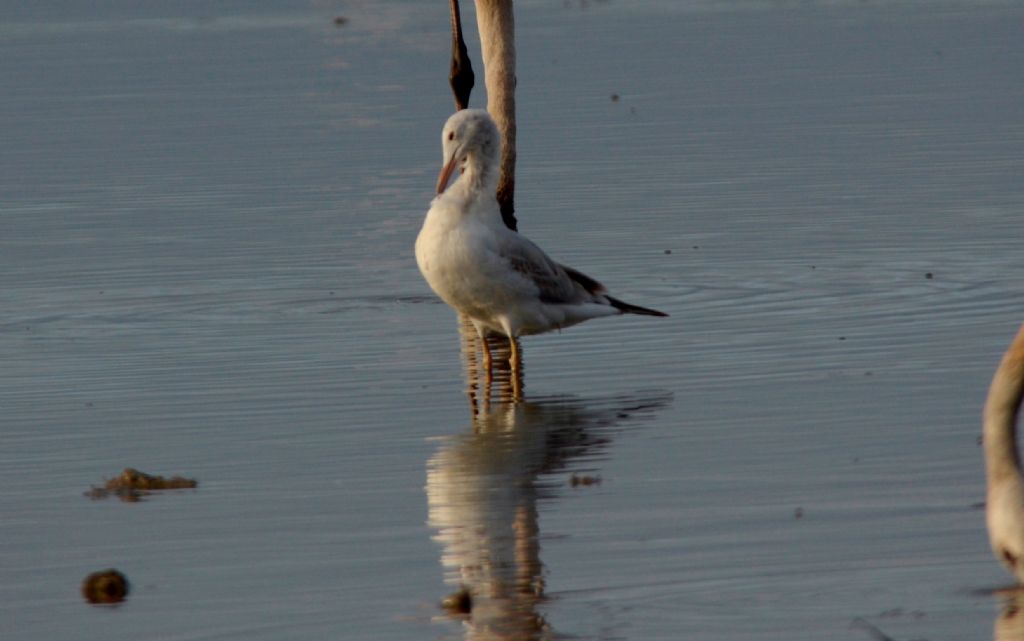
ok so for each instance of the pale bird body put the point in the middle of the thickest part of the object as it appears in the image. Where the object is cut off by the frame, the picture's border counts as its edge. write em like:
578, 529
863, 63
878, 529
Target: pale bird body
1004, 504
498, 278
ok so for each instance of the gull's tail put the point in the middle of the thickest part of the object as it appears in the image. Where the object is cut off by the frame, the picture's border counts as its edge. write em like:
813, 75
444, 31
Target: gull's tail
595, 288
626, 308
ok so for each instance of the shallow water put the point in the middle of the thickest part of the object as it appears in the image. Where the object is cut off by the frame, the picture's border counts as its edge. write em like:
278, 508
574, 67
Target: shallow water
206, 269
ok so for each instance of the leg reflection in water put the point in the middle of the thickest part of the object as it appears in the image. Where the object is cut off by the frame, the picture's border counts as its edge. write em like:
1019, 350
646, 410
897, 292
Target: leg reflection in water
483, 488
1009, 625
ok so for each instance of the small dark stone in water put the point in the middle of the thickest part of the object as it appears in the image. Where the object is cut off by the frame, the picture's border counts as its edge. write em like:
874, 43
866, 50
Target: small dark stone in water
107, 586
460, 602
929, 275
340, 21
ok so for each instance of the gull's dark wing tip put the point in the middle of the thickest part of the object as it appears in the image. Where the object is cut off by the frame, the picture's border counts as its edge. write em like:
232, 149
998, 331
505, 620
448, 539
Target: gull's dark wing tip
626, 308
584, 281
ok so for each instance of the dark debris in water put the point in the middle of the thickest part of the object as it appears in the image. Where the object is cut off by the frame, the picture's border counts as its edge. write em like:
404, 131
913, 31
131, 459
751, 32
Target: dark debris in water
132, 485
577, 480
459, 602
896, 613
105, 587
875, 632
872, 631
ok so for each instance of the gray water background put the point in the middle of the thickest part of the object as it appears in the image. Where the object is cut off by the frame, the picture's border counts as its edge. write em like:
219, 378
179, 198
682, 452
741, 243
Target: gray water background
206, 224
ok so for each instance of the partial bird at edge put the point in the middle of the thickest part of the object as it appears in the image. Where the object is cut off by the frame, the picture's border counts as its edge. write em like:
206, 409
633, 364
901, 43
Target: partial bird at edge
1004, 504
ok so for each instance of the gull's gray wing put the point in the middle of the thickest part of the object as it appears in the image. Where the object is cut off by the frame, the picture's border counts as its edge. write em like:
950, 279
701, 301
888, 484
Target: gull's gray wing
555, 283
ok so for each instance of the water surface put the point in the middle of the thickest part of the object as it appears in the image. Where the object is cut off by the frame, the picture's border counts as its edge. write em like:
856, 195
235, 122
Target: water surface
206, 227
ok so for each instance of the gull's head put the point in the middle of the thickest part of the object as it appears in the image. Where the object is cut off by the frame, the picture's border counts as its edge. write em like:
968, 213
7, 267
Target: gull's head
471, 142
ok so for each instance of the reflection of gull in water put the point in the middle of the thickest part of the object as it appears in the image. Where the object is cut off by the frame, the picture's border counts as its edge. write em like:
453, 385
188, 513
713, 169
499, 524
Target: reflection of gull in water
482, 491
1004, 504
1010, 622
502, 281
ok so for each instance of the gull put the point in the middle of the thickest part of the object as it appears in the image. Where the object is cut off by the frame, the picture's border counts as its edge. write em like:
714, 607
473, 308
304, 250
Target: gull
499, 279
1004, 503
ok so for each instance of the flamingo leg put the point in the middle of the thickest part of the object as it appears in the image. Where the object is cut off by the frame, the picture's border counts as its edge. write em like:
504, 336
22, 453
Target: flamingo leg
460, 76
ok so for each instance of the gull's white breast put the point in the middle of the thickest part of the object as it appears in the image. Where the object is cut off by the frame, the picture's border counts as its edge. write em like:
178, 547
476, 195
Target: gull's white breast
459, 256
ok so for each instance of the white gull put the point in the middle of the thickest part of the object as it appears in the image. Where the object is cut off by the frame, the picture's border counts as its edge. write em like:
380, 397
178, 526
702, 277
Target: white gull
497, 277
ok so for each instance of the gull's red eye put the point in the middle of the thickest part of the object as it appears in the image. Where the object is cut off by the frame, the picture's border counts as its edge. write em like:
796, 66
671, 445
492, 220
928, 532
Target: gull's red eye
451, 135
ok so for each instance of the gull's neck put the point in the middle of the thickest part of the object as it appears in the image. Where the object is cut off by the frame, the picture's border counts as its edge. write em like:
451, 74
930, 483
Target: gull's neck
478, 181
1000, 416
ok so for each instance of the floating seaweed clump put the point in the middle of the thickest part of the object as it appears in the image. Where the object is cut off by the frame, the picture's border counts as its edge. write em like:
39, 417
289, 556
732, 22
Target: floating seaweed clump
132, 485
